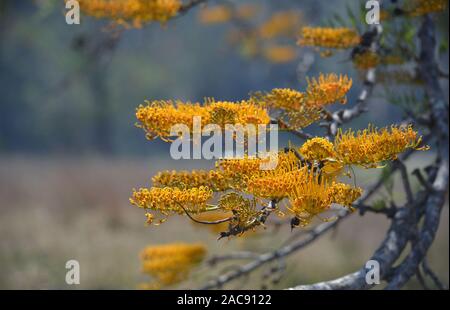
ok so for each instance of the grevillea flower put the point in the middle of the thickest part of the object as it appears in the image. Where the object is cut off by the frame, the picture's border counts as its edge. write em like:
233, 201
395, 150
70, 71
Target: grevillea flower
158, 117
369, 59
304, 117
238, 170
284, 98
385, 15
283, 23
301, 109
247, 11
392, 60
243, 112
339, 38
220, 14
297, 112
320, 152
344, 194
214, 179
242, 169
279, 182
134, 11
171, 200
398, 76
328, 89
331, 169
170, 264
309, 199
366, 60
314, 196
422, 7
217, 14
317, 149
244, 210
287, 161
275, 184
371, 146
279, 53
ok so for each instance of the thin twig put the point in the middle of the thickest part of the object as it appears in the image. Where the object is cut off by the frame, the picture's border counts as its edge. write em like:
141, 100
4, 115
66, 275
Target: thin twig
232, 256
336, 119
189, 5
405, 181
429, 272
204, 222
422, 181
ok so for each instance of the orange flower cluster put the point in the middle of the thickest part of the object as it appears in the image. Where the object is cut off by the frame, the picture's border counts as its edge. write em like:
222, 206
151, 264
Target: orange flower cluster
136, 12
244, 112
275, 184
398, 76
171, 200
279, 53
157, 118
283, 23
215, 15
245, 211
328, 89
370, 147
256, 39
306, 179
170, 264
423, 7
367, 148
317, 149
286, 99
213, 179
219, 14
247, 11
369, 59
304, 108
313, 196
336, 38
366, 60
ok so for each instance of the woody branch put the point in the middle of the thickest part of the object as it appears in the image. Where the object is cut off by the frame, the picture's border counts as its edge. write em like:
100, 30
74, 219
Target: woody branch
427, 204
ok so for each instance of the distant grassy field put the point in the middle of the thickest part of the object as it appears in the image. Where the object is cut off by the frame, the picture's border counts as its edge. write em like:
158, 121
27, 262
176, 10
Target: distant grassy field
56, 209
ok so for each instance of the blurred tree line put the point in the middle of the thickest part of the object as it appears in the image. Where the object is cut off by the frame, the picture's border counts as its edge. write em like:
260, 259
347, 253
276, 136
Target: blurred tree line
74, 88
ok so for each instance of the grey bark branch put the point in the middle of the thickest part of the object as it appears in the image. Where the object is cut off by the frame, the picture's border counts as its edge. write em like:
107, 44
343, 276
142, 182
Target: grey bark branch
400, 231
271, 256
405, 181
232, 256
429, 71
336, 119
432, 275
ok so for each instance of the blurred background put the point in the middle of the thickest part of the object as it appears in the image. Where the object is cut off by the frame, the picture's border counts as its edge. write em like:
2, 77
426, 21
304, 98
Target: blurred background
70, 153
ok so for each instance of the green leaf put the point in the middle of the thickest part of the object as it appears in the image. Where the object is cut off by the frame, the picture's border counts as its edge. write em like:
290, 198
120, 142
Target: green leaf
351, 16
339, 20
